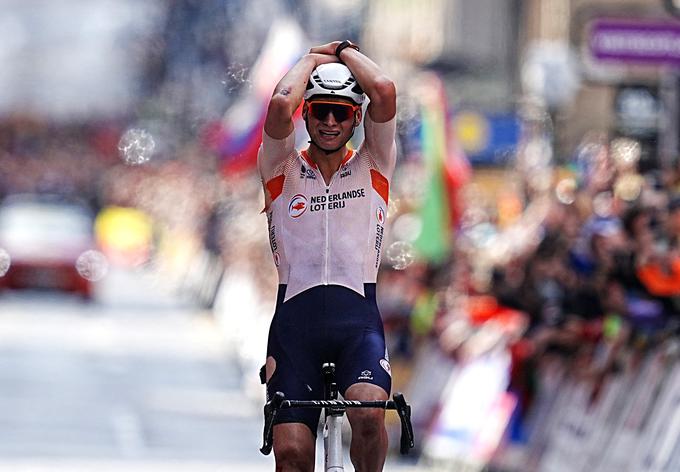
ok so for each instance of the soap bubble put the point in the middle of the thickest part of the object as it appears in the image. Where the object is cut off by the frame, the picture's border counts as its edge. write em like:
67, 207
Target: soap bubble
235, 78
92, 265
602, 204
628, 187
136, 146
400, 255
566, 191
625, 152
407, 227
5, 262
408, 114
393, 207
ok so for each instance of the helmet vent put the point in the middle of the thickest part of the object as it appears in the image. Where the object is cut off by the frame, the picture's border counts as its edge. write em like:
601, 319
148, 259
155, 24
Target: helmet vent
332, 84
333, 79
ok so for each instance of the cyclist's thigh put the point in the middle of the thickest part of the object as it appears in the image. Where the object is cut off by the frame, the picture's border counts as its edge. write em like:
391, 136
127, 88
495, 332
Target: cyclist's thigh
364, 360
296, 364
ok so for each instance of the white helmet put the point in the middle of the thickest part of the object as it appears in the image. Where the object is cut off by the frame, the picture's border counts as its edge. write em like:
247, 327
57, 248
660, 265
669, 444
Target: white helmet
334, 80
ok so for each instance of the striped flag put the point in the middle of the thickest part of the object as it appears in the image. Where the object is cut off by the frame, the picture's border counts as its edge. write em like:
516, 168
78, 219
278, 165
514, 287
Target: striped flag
237, 137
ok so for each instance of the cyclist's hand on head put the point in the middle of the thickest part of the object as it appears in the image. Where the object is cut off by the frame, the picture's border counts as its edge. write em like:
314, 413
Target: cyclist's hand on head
320, 58
328, 48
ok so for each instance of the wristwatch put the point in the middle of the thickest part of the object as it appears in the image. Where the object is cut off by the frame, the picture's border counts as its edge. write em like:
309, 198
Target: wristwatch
344, 45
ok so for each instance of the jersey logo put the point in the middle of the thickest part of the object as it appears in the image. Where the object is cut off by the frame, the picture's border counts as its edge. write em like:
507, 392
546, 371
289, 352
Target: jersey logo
365, 375
307, 173
379, 232
297, 205
384, 363
380, 215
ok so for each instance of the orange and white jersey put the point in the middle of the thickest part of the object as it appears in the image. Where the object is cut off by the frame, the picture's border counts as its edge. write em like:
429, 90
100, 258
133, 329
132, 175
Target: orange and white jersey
328, 234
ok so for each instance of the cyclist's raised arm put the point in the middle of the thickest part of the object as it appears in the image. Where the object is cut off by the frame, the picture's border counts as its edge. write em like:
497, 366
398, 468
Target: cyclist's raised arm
278, 139
288, 95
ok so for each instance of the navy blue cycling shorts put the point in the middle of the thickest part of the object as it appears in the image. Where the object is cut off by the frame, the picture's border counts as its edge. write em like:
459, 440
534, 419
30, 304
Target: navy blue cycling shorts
327, 323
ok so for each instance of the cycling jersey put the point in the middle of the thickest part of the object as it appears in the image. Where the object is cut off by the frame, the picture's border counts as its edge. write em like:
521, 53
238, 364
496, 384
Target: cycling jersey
328, 234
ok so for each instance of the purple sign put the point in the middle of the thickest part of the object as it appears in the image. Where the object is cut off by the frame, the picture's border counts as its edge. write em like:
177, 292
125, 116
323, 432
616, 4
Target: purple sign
636, 41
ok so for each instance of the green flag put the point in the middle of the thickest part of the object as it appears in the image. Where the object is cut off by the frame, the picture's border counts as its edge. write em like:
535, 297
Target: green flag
434, 240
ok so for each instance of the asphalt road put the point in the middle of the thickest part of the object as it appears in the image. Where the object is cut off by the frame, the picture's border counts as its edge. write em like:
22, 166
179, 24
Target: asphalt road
136, 380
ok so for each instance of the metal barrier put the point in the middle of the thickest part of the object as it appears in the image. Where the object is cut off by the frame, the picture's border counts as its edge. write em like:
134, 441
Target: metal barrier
631, 425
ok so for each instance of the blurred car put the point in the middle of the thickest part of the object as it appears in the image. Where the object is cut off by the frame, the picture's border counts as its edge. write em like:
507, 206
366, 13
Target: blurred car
44, 237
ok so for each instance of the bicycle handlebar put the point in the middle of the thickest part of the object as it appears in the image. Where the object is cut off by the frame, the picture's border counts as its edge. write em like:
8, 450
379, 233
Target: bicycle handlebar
279, 402
271, 408
404, 412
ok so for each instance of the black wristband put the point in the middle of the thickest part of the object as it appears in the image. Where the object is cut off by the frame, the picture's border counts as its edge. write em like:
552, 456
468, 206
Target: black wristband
344, 45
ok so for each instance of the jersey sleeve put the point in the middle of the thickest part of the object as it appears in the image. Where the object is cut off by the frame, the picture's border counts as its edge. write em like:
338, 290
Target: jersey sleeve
273, 153
379, 141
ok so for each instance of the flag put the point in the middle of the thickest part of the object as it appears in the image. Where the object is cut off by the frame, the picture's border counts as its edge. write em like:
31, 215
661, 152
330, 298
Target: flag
447, 171
237, 137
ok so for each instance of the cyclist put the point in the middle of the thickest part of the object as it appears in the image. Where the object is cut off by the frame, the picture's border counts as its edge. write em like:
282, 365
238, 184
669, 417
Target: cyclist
326, 208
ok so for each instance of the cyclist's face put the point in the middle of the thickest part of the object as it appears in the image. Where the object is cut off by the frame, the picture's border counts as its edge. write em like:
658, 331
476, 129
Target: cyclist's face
330, 122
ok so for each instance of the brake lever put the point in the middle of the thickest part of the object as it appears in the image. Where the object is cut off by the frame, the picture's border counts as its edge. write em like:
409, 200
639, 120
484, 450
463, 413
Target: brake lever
271, 408
404, 410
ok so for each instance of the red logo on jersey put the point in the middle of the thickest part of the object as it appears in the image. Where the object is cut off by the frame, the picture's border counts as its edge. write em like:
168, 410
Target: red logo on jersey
380, 215
297, 205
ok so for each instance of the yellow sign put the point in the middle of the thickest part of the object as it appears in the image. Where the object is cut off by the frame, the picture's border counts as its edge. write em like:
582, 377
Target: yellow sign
472, 131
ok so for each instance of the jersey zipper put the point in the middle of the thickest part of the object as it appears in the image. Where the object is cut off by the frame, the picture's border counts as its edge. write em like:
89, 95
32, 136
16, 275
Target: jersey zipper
328, 238
328, 242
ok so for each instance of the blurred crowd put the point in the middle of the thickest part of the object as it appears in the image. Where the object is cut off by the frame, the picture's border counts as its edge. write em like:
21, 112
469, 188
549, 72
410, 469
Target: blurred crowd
603, 276
39, 157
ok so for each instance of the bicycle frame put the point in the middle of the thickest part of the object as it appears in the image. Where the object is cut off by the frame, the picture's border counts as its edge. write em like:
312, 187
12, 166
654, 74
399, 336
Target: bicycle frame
334, 410
332, 443
332, 428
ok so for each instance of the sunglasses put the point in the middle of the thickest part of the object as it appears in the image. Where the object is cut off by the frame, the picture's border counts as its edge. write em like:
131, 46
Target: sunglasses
341, 111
